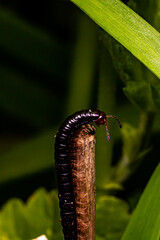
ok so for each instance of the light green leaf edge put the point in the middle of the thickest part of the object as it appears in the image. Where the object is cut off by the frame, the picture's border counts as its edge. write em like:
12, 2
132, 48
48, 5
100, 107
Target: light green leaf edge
145, 222
134, 33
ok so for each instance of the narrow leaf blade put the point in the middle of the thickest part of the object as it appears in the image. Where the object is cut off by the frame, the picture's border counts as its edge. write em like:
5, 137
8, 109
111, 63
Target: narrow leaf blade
145, 222
127, 27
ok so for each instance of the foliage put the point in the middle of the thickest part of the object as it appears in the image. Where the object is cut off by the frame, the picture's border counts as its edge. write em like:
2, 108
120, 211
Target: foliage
47, 73
147, 213
40, 215
28, 221
126, 27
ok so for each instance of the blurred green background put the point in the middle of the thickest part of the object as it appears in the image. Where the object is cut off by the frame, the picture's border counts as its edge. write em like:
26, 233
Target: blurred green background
55, 61
36, 51
49, 68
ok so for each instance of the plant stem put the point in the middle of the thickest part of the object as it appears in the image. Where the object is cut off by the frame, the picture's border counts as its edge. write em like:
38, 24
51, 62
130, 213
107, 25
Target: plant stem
82, 154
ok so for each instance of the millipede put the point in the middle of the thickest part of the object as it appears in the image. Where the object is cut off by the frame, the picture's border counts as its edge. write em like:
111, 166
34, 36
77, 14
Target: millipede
75, 169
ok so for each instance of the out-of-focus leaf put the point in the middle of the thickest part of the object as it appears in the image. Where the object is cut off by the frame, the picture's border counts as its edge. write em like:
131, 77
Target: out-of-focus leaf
99, 238
31, 45
27, 221
142, 95
112, 216
41, 216
127, 27
145, 222
27, 100
141, 87
156, 16
129, 113
27, 158
131, 137
127, 66
131, 145
146, 9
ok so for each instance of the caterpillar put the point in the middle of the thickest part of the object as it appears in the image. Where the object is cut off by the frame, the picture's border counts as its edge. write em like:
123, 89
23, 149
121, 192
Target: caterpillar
72, 128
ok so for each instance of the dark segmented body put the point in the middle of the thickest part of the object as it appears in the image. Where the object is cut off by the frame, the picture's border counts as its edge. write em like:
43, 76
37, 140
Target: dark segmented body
62, 163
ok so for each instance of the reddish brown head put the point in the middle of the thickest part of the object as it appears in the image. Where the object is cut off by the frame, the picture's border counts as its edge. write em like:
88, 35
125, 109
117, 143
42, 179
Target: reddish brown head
102, 120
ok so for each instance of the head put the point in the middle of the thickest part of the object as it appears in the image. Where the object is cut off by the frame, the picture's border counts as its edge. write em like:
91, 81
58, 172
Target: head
102, 120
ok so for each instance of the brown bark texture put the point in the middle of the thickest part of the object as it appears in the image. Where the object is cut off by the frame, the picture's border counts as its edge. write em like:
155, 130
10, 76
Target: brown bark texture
82, 156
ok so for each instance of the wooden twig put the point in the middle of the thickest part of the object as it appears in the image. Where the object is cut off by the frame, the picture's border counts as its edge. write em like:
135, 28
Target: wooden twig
82, 155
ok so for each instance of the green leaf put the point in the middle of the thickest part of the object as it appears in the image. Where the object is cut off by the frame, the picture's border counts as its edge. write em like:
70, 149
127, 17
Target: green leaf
112, 216
142, 95
27, 221
127, 27
97, 238
146, 9
142, 87
145, 222
127, 66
